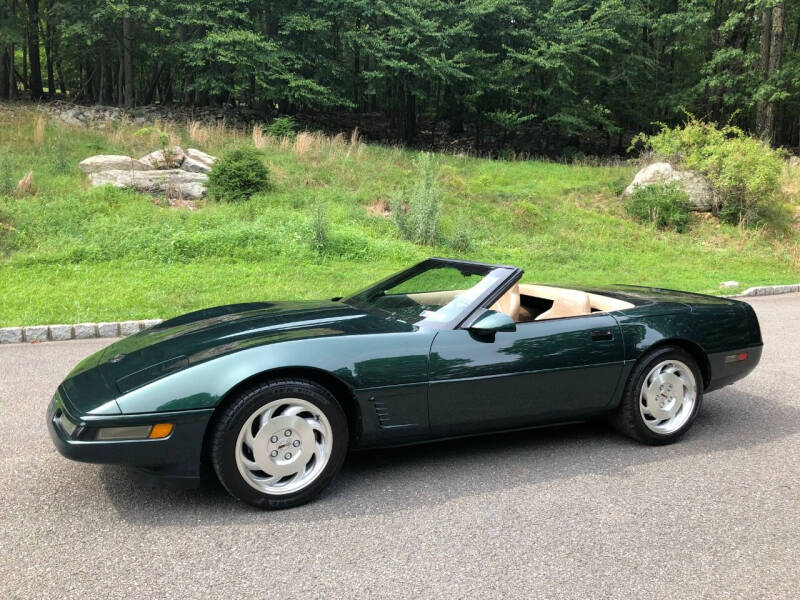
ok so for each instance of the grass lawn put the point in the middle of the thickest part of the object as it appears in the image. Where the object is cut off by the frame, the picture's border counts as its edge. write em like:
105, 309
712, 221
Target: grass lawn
71, 253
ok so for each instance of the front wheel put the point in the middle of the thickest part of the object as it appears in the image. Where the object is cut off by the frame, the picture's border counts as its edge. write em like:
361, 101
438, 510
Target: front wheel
662, 397
280, 443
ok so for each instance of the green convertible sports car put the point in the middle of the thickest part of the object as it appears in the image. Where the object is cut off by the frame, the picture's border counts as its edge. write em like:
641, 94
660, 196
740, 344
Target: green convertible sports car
272, 395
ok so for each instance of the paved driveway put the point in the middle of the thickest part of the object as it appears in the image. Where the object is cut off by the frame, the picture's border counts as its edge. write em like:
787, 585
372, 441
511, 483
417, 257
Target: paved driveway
573, 512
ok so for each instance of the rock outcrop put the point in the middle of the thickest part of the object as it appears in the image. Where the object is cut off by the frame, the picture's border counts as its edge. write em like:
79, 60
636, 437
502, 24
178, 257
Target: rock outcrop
200, 156
702, 196
168, 158
173, 183
169, 172
197, 161
109, 162
103, 116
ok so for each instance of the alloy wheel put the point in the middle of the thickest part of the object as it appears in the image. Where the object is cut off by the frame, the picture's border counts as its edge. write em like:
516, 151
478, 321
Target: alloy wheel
668, 397
283, 446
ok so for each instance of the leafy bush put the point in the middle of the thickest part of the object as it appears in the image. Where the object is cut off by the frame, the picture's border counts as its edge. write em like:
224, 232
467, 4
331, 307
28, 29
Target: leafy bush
154, 133
282, 127
320, 238
461, 239
7, 233
665, 205
418, 219
509, 123
745, 171
238, 175
7, 183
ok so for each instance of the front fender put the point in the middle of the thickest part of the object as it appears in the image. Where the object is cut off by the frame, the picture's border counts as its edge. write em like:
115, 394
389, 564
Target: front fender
369, 361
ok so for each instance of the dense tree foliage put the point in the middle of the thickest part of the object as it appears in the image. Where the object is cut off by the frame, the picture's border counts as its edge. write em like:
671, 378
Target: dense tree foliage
565, 69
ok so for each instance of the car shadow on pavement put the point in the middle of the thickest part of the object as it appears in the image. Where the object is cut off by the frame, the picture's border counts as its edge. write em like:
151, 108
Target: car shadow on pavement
391, 480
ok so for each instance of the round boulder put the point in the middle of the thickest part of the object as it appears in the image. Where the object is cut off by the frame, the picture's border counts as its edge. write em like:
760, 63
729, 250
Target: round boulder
702, 196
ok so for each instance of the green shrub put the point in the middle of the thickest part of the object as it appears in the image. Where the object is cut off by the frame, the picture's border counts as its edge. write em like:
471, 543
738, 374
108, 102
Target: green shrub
154, 132
509, 123
418, 218
7, 183
282, 127
238, 175
745, 171
61, 162
320, 237
664, 205
461, 240
7, 233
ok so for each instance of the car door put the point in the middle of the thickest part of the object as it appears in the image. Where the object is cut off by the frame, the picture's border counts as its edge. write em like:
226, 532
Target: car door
548, 370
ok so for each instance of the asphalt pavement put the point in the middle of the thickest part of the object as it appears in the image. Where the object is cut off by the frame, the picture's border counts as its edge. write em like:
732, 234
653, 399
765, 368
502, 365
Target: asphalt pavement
568, 512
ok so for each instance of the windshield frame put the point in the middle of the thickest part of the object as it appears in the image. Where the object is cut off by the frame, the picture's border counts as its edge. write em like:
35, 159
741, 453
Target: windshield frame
509, 275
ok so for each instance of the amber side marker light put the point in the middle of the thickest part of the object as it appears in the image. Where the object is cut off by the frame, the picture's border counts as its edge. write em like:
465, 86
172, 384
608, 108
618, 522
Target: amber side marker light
136, 432
160, 430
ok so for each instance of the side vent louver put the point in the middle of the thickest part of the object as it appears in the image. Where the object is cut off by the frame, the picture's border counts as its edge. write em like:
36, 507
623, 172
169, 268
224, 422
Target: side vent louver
381, 410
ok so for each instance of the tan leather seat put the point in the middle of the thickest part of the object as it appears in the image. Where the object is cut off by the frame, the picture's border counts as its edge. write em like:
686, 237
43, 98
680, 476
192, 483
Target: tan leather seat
568, 303
509, 303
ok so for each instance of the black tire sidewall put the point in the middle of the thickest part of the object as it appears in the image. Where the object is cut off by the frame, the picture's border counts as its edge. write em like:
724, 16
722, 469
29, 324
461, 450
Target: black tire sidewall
633, 416
223, 451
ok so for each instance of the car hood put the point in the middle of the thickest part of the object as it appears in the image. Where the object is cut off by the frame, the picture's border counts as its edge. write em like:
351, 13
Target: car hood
206, 334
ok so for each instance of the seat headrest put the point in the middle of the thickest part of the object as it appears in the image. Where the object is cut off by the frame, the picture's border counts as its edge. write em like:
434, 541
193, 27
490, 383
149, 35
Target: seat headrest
509, 303
568, 303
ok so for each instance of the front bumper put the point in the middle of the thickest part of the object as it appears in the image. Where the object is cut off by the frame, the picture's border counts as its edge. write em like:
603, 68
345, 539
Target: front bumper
175, 456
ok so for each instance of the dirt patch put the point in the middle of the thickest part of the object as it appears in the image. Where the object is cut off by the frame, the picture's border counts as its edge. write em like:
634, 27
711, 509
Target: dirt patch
381, 208
176, 203
182, 203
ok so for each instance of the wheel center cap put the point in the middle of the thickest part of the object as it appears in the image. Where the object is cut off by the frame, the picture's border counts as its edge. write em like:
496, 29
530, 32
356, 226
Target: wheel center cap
281, 445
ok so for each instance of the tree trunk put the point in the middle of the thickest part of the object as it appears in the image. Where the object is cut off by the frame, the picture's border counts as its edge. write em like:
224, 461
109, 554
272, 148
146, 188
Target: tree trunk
101, 87
91, 83
12, 80
436, 114
775, 60
766, 39
151, 90
48, 52
127, 61
120, 76
357, 72
62, 82
26, 84
166, 87
4, 74
410, 117
37, 93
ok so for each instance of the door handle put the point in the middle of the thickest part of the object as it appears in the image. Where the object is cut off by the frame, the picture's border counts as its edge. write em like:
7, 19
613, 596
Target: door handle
600, 335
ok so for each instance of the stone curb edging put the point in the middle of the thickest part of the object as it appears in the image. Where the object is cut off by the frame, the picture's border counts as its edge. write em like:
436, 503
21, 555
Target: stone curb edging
78, 331
769, 290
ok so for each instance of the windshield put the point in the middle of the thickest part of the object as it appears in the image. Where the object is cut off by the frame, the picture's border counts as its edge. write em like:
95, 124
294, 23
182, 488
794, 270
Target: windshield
433, 292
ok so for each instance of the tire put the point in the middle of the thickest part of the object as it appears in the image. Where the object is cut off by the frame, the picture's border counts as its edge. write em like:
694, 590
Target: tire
666, 381
280, 443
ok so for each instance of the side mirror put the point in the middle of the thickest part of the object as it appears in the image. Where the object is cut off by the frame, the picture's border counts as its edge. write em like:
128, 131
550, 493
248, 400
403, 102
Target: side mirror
492, 321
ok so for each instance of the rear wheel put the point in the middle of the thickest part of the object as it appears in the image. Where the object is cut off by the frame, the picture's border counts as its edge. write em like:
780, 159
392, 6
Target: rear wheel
662, 397
280, 443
